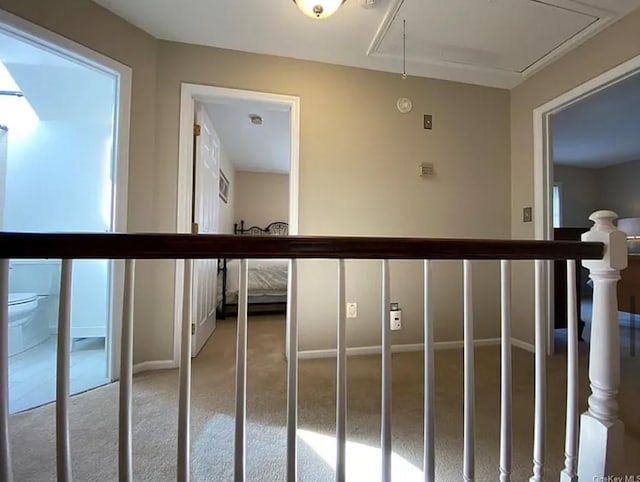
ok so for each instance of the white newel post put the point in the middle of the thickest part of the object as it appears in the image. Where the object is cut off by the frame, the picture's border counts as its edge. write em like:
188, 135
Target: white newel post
601, 432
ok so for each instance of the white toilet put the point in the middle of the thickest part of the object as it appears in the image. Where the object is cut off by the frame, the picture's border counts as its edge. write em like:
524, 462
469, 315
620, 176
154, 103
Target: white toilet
23, 334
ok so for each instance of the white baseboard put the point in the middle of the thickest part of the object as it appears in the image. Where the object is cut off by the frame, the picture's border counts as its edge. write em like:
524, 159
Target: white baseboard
377, 349
353, 351
523, 344
450, 345
154, 365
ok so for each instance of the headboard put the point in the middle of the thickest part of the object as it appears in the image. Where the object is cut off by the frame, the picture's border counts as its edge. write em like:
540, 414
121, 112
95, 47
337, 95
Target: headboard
277, 228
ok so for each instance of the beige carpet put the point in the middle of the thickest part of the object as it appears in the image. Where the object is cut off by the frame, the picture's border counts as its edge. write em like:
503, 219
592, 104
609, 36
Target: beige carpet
94, 416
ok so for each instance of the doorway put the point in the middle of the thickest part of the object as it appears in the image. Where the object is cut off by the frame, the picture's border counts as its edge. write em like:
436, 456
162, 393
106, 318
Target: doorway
545, 177
63, 162
598, 165
215, 100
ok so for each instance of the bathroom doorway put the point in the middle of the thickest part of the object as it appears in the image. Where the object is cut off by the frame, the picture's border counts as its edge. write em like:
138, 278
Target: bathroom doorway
63, 120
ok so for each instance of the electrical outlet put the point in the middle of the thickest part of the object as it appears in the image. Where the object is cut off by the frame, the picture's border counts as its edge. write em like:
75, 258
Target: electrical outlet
527, 215
352, 310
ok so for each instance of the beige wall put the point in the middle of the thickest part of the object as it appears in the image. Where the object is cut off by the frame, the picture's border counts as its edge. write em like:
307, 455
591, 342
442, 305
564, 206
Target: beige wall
585, 190
92, 26
227, 213
359, 162
358, 172
580, 194
613, 46
261, 198
620, 189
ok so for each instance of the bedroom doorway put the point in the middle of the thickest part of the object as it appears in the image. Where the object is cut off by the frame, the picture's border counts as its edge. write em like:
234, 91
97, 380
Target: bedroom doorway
543, 117
256, 191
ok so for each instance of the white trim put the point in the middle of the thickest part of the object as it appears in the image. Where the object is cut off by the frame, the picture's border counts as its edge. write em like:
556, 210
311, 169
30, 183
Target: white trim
154, 365
490, 75
196, 92
543, 168
523, 344
57, 44
377, 349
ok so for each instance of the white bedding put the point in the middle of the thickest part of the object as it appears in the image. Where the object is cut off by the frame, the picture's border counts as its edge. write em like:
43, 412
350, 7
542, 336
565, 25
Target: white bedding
267, 277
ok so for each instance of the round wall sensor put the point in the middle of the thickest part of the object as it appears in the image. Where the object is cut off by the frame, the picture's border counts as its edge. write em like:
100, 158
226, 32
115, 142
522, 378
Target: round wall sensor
404, 105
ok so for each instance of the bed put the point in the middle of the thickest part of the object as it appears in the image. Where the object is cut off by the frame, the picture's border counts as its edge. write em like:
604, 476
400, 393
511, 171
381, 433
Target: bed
267, 281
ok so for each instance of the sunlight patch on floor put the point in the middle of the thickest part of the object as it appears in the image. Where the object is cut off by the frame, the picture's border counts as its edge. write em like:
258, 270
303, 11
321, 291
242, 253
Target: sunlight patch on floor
363, 461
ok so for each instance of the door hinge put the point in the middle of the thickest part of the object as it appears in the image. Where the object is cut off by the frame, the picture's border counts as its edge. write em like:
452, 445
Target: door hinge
193, 328
194, 228
196, 130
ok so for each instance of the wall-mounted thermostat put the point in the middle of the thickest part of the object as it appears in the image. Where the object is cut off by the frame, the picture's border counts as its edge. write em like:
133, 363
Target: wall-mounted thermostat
427, 170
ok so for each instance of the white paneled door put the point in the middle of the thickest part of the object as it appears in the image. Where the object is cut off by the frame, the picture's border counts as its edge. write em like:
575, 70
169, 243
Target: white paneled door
205, 218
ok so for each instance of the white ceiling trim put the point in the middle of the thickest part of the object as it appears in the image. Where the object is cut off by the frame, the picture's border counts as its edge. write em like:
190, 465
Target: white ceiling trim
494, 76
603, 19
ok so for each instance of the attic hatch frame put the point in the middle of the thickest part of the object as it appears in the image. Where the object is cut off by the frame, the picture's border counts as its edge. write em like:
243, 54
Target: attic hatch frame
190, 93
543, 166
56, 44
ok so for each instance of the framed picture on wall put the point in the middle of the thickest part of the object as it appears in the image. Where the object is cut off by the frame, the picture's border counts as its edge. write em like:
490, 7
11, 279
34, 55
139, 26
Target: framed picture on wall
224, 187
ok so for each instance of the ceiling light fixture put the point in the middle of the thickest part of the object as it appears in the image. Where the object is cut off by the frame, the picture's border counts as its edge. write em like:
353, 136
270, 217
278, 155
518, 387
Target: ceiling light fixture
318, 8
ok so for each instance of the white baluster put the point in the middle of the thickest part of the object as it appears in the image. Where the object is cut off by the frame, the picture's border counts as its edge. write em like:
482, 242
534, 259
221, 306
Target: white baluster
341, 377
540, 376
505, 382
386, 376
429, 379
601, 431
569, 474
6, 472
469, 384
63, 449
292, 374
241, 375
125, 450
184, 402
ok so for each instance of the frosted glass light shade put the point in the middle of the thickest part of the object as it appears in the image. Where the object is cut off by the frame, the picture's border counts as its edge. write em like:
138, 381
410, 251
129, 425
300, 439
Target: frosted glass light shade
318, 8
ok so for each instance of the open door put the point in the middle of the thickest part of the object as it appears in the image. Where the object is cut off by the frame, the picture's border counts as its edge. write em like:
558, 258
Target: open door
205, 221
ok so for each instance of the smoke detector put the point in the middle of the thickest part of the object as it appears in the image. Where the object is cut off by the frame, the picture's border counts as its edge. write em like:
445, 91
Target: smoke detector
369, 3
255, 119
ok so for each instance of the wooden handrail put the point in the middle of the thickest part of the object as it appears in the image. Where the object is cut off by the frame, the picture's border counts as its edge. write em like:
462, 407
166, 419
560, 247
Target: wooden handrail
179, 246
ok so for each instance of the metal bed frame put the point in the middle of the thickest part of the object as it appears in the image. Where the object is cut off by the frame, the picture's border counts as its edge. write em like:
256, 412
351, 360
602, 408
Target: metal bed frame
277, 228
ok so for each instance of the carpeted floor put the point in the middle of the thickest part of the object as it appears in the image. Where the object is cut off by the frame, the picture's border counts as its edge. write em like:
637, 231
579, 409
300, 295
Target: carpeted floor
94, 417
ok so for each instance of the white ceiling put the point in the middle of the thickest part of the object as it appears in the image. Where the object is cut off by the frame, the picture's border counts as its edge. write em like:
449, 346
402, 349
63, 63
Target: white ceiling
601, 130
58, 89
261, 148
488, 42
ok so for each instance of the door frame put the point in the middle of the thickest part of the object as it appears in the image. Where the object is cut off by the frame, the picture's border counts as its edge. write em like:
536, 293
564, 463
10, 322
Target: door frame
55, 43
189, 94
543, 167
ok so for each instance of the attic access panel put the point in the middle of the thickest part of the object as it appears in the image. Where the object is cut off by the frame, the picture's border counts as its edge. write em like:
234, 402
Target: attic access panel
507, 35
